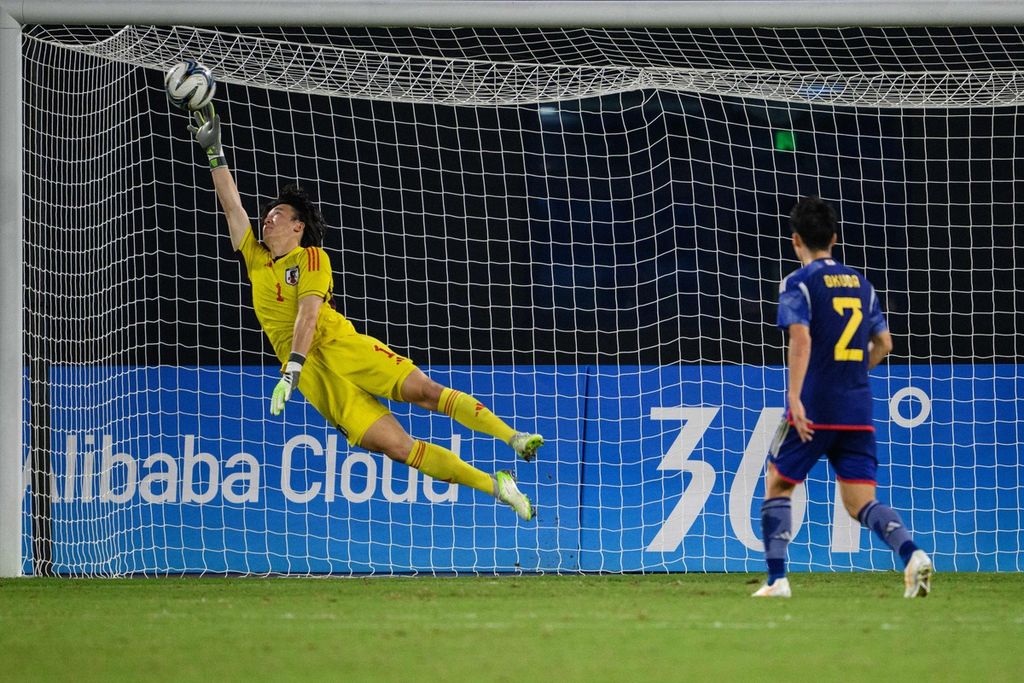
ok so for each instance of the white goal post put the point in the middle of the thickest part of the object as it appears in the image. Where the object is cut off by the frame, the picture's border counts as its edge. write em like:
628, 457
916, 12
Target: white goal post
913, 90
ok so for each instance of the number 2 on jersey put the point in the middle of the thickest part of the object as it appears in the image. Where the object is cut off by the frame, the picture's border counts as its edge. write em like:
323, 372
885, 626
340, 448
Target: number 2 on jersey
851, 304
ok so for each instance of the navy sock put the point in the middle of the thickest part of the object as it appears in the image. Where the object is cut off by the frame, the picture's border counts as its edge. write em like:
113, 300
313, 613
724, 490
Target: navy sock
776, 530
886, 522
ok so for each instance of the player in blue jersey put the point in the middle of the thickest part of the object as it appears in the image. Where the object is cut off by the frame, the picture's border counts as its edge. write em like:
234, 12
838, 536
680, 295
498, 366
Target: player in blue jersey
837, 332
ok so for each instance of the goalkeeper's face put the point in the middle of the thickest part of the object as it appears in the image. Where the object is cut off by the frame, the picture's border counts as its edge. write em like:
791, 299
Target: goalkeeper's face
282, 230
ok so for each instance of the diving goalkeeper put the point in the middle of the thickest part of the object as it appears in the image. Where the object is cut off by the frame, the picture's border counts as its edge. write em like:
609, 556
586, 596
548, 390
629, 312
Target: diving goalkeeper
340, 371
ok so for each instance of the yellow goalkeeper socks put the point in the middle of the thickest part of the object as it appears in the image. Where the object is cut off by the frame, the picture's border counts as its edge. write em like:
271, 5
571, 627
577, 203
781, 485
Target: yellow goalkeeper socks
443, 465
469, 412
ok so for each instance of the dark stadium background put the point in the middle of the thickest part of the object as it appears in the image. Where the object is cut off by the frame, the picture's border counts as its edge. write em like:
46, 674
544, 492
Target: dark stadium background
547, 215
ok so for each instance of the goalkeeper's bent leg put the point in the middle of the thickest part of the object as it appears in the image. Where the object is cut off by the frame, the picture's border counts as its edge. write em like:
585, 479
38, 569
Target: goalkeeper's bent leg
388, 437
473, 414
440, 463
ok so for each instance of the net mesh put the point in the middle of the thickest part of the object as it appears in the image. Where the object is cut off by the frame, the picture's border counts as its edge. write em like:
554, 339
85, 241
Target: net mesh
583, 229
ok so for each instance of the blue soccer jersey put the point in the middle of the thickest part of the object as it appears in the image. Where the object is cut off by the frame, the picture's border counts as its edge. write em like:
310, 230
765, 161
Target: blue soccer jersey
841, 309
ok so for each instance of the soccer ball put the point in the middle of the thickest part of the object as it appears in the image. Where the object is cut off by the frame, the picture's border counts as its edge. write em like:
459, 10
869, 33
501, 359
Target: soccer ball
189, 85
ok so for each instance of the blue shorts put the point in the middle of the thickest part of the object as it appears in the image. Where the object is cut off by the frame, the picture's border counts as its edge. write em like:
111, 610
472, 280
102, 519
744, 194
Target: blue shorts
851, 453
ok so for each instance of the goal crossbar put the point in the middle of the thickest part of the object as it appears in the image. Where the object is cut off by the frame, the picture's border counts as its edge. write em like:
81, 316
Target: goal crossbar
646, 13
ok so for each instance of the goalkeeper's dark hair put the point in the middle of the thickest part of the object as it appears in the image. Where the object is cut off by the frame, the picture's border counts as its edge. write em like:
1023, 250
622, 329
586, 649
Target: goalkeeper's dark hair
305, 211
815, 221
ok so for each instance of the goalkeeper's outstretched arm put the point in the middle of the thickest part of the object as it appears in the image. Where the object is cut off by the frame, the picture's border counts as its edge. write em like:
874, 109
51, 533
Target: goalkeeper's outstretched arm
206, 130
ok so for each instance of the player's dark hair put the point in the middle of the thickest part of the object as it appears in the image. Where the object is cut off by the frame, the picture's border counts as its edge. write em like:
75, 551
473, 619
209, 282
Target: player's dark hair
815, 221
305, 211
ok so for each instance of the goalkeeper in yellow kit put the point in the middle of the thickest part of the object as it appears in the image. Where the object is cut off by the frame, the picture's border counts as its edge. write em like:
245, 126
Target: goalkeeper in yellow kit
341, 372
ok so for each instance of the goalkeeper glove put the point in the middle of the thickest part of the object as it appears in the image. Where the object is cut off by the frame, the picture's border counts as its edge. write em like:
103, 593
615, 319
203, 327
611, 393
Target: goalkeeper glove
289, 380
207, 133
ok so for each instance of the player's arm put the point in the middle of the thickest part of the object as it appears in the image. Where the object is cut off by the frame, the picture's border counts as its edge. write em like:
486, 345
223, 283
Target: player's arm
880, 344
879, 348
206, 130
305, 324
302, 340
799, 359
231, 203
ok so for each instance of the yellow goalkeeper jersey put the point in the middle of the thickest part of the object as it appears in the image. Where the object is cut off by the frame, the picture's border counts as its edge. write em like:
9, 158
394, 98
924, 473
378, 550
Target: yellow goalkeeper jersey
277, 286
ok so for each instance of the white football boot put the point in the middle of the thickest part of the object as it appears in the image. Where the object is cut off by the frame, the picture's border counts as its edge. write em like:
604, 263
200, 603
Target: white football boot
779, 589
526, 444
507, 492
917, 577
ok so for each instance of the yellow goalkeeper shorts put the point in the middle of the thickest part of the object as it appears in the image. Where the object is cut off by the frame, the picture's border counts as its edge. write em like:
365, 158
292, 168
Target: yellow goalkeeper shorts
343, 377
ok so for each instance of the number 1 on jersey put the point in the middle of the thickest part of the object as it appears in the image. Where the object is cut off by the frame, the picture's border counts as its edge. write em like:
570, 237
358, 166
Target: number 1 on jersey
852, 304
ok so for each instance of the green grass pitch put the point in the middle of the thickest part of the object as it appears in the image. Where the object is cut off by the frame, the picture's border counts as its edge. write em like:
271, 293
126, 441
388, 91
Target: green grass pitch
676, 627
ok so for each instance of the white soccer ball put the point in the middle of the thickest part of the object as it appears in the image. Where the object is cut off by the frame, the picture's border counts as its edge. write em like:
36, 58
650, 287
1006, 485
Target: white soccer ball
189, 85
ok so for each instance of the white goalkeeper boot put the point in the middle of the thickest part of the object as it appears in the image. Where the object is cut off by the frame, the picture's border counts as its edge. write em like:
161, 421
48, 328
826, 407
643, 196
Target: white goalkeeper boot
507, 492
778, 589
917, 577
526, 444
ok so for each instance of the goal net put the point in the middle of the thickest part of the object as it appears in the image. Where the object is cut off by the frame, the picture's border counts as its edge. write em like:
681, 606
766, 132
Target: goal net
585, 229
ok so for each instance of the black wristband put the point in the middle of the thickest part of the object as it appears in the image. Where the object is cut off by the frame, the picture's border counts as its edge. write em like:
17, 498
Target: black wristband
296, 358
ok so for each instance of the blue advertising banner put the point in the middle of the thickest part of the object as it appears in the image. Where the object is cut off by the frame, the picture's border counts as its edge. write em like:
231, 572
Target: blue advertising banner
181, 469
